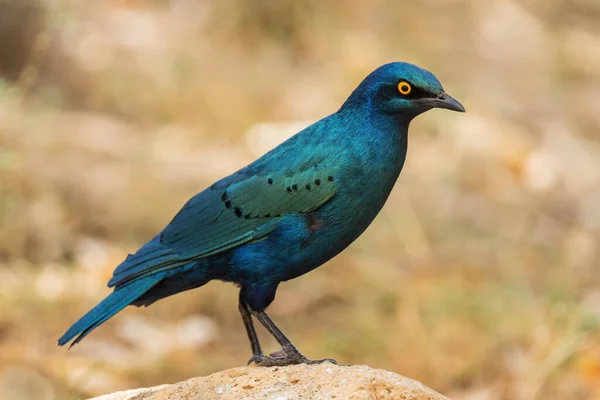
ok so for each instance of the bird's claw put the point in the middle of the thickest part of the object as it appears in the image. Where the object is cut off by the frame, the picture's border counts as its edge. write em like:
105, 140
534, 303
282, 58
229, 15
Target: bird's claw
255, 359
268, 361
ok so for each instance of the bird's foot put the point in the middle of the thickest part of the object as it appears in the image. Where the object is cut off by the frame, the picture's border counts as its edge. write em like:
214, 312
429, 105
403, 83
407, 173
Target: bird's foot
287, 359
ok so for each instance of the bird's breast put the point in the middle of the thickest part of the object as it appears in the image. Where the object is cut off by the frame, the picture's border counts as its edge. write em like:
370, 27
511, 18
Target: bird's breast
366, 180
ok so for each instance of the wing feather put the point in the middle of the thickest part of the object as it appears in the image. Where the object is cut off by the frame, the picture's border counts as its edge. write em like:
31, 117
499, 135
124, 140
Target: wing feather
226, 216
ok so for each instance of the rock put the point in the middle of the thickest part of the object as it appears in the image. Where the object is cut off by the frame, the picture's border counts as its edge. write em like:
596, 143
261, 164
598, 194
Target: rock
324, 381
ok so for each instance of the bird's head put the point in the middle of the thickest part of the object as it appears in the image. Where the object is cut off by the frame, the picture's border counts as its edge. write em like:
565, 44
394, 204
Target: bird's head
402, 89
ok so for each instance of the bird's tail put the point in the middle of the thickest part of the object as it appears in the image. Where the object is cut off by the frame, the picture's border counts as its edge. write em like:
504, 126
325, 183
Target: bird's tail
108, 307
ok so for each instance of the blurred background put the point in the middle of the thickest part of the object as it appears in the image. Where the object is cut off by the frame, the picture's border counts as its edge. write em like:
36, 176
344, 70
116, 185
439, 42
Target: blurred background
480, 277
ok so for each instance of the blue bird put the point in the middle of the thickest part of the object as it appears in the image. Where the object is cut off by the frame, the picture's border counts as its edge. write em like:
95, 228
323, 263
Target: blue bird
286, 213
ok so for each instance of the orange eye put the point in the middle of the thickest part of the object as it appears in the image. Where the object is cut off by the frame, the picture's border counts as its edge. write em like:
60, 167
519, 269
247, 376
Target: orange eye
404, 88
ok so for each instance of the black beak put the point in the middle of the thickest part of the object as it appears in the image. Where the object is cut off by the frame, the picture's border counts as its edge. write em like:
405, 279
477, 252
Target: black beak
446, 101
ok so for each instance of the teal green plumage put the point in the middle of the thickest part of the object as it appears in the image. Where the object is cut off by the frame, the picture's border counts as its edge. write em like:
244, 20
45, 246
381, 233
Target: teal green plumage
289, 211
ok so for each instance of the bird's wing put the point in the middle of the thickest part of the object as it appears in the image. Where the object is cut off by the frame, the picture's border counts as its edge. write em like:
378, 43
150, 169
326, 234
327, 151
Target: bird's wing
246, 210
229, 215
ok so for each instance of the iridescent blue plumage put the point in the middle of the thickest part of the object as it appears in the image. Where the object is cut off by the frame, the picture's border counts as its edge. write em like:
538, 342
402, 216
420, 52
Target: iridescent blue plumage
286, 213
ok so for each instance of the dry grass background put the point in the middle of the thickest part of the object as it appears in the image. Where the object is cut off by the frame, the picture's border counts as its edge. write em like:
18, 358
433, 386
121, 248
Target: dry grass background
480, 277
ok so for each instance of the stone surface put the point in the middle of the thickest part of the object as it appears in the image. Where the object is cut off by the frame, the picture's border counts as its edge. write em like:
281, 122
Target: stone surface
325, 381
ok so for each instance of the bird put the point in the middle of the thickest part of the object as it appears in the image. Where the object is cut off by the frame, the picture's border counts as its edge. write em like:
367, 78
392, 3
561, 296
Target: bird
285, 214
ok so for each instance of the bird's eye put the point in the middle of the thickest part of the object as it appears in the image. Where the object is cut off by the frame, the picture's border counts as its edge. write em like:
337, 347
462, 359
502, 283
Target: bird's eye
404, 88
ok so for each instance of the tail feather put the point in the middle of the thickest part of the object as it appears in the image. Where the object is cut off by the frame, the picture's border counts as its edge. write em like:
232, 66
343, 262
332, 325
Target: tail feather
152, 258
108, 307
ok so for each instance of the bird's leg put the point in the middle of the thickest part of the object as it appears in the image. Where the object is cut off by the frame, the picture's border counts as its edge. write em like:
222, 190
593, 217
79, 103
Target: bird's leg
283, 341
292, 355
257, 353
